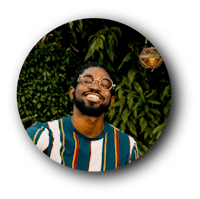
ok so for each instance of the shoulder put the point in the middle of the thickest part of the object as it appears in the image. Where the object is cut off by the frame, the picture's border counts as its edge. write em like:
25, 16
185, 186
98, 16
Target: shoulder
38, 127
122, 135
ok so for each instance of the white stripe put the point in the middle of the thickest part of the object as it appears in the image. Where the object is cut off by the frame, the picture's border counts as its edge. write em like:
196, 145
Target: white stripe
96, 155
132, 142
43, 141
55, 151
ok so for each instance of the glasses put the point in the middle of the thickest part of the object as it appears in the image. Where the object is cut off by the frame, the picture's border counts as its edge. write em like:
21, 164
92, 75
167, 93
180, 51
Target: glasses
105, 83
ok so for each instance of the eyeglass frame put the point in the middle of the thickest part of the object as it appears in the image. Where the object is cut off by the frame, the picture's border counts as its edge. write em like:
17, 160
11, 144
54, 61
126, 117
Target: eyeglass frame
112, 86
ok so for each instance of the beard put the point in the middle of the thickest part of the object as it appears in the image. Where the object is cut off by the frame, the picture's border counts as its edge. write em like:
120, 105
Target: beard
90, 109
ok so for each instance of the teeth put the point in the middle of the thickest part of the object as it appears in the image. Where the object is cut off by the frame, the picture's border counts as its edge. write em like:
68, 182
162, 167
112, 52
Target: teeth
93, 96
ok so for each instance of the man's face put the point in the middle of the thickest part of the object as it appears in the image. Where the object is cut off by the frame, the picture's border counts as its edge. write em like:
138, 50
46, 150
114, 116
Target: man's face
92, 100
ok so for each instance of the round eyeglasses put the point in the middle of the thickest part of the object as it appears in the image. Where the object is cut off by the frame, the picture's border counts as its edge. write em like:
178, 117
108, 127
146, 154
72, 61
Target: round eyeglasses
105, 83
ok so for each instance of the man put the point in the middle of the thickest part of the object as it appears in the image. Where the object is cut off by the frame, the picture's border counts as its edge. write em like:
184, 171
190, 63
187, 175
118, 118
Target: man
84, 141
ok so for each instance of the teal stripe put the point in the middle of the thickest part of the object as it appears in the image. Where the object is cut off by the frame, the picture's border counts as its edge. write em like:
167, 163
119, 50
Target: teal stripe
123, 149
69, 150
84, 154
110, 158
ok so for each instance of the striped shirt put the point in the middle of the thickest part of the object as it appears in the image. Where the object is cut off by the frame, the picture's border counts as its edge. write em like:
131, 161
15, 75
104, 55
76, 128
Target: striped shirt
60, 141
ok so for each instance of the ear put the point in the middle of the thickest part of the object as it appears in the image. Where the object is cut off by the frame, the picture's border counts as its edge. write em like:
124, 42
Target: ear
112, 100
71, 92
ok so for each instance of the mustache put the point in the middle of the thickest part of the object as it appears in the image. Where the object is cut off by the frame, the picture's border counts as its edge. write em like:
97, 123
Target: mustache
92, 91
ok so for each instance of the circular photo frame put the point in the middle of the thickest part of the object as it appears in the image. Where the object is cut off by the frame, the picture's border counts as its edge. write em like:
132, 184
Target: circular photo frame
159, 156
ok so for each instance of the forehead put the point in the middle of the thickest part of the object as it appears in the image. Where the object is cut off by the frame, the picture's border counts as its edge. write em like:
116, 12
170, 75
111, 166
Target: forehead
98, 72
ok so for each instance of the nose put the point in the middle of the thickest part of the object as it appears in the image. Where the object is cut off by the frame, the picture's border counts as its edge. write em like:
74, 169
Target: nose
95, 86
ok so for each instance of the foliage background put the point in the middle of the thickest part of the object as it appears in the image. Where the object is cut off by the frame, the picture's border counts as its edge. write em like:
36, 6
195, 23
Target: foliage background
143, 98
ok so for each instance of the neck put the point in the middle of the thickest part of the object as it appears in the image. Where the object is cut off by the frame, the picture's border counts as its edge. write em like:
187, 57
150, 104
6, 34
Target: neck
89, 126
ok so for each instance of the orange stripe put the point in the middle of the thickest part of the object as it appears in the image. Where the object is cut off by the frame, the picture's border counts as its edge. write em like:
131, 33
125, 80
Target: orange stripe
135, 151
129, 160
116, 148
105, 145
37, 134
135, 154
63, 141
76, 151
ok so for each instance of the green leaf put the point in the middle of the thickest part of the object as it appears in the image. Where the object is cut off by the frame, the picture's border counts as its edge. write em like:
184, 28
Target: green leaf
39, 105
151, 124
151, 142
131, 77
125, 115
91, 50
23, 98
167, 107
103, 37
32, 69
123, 127
116, 103
122, 102
136, 104
157, 129
146, 108
97, 44
153, 101
101, 57
142, 113
112, 113
45, 110
158, 135
133, 120
130, 102
120, 93
132, 128
92, 36
145, 135
150, 94
126, 59
145, 148
165, 92
80, 25
151, 116
114, 37
137, 87
100, 42
110, 53
124, 80
145, 93
116, 122
156, 111
117, 29
110, 38
135, 112
143, 124
145, 85
147, 132
28, 118
102, 31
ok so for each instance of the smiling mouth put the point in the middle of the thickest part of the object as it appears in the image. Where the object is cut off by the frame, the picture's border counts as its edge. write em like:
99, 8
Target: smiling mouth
93, 96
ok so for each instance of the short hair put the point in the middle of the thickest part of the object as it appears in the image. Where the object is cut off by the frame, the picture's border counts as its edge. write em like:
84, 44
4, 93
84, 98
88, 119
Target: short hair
92, 64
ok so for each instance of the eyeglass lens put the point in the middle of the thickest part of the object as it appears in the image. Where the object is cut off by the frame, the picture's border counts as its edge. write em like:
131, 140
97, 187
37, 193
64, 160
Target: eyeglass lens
105, 83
